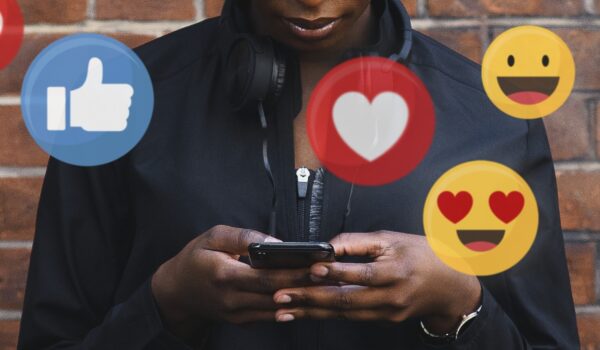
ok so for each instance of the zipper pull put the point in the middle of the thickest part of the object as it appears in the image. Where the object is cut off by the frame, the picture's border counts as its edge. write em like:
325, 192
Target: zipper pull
302, 174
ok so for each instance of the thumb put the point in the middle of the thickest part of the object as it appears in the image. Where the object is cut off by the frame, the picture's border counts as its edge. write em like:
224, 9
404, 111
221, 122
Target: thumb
235, 240
359, 244
95, 72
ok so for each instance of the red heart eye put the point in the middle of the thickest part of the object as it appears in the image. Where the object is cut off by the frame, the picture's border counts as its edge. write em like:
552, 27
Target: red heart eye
507, 207
455, 207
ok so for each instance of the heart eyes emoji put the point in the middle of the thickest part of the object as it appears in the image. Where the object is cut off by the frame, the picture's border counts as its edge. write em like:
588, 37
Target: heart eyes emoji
506, 207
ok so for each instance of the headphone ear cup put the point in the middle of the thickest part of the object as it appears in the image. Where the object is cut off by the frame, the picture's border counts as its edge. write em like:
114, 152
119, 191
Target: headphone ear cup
278, 80
256, 72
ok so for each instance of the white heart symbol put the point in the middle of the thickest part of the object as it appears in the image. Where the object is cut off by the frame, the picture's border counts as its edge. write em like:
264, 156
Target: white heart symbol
370, 129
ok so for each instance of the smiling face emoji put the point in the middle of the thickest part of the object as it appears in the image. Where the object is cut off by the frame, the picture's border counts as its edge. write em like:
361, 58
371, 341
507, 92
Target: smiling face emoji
528, 72
480, 218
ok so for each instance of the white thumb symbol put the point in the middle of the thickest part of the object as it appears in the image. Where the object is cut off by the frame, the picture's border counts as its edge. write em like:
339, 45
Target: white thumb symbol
1, 23
95, 72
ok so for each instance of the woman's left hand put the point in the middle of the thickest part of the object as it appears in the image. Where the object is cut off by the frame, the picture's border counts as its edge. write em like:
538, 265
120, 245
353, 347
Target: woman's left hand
404, 280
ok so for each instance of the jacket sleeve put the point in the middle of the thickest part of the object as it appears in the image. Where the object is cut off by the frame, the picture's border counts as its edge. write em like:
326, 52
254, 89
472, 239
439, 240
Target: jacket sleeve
530, 306
82, 241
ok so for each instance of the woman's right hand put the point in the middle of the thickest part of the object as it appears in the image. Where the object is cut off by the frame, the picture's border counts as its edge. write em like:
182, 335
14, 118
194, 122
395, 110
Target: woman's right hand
205, 282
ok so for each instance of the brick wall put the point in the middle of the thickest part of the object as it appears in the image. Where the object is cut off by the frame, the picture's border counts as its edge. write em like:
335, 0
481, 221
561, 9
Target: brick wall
465, 25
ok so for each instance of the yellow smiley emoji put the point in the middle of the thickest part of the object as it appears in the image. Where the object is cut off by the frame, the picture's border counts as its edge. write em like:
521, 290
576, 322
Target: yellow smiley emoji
480, 218
528, 72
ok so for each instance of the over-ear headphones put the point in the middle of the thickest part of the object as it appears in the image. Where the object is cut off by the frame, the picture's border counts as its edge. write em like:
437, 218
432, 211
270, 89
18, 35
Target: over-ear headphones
256, 71
256, 67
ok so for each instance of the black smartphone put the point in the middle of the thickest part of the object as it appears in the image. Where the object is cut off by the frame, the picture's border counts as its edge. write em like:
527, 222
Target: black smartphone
289, 255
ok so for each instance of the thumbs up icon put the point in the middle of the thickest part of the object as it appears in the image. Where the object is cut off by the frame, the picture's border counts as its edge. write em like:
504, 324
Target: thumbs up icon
94, 107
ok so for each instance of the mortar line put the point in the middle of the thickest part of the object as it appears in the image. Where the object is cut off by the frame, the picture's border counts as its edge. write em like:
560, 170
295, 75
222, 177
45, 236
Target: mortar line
91, 9
10, 315
576, 165
200, 15
15, 244
21, 172
589, 6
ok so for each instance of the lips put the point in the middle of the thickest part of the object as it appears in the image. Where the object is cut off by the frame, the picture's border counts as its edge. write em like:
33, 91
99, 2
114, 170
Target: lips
316, 29
528, 90
480, 240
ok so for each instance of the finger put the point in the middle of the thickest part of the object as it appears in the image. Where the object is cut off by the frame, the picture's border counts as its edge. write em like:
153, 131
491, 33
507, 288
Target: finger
244, 301
367, 274
250, 316
269, 281
360, 244
233, 240
286, 315
95, 72
335, 297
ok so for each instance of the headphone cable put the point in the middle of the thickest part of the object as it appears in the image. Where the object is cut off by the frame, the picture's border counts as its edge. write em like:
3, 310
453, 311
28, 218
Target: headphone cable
271, 230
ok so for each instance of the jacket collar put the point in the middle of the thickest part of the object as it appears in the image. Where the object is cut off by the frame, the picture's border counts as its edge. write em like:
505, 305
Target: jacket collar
390, 38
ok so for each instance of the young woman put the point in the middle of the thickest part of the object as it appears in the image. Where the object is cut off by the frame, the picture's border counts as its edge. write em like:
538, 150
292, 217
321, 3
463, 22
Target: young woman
142, 253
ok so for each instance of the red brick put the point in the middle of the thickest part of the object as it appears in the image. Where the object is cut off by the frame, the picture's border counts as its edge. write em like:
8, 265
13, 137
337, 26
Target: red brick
9, 332
54, 11
581, 260
466, 41
212, 8
146, 10
411, 7
472, 8
12, 76
13, 274
578, 193
585, 45
589, 324
17, 148
569, 130
18, 204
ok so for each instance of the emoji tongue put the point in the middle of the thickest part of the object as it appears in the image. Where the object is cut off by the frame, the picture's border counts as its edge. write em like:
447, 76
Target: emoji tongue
528, 97
481, 246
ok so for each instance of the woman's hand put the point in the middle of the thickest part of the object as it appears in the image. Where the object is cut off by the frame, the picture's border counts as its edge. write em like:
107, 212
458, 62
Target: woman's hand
206, 282
405, 280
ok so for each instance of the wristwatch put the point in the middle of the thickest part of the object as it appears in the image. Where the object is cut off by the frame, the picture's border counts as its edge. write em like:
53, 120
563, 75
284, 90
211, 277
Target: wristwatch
451, 336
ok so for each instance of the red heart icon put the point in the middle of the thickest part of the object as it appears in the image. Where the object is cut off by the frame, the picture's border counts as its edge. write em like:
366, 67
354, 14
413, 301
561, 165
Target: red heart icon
455, 207
507, 207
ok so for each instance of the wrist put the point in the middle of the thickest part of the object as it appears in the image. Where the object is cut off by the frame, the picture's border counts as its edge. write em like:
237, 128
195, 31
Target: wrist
450, 316
173, 316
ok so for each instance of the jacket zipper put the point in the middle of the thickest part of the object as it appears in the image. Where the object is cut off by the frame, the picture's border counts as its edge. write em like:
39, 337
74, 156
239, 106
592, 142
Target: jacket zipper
302, 177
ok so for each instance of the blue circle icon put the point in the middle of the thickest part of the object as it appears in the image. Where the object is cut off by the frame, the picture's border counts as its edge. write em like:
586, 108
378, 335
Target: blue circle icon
87, 99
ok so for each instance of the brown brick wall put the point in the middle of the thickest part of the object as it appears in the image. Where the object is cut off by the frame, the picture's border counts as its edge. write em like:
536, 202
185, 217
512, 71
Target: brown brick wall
465, 25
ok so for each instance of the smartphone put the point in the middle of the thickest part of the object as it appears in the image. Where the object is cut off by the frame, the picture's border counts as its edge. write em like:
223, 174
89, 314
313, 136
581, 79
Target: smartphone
289, 255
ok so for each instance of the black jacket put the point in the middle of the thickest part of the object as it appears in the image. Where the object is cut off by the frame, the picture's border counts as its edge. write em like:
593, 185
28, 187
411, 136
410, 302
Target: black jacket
102, 231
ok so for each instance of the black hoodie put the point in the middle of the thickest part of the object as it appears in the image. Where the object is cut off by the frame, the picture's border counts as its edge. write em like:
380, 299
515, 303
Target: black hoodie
102, 231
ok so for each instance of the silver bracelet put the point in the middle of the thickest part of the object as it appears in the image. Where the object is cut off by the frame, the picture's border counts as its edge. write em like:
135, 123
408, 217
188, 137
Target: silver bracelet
453, 335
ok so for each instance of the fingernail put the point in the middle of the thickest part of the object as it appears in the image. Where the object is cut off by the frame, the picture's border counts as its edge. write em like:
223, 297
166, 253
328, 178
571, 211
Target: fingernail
285, 318
320, 271
272, 239
283, 299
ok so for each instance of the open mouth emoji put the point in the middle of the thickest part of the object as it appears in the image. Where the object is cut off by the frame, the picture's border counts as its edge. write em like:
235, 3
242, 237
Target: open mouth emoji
480, 240
528, 90
528, 72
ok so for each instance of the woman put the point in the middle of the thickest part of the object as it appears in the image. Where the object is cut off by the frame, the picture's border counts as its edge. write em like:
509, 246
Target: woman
143, 253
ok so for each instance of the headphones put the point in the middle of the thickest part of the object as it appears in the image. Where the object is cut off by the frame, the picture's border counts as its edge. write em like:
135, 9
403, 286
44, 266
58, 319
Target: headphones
257, 67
